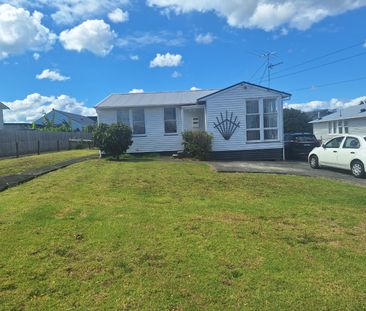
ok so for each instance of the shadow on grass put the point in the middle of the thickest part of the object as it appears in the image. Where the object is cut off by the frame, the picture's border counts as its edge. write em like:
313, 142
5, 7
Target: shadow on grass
136, 158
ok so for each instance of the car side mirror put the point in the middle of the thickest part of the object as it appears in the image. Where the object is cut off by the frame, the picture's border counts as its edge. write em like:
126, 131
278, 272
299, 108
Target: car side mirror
323, 145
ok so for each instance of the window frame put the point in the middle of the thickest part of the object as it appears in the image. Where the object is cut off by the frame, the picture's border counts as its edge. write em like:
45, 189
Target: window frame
170, 120
270, 113
132, 121
254, 129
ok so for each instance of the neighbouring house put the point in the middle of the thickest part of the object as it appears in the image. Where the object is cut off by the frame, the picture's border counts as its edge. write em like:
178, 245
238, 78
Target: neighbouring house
351, 120
245, 120
17, 126
2, 108
58, 117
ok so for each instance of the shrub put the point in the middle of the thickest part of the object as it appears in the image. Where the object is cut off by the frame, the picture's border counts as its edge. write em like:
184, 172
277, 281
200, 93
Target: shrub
197, 144
114, 139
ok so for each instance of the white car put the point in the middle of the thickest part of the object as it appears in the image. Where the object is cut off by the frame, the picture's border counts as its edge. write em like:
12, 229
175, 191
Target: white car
344, 152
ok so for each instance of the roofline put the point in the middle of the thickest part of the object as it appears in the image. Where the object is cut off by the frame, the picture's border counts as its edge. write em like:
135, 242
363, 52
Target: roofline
5, 106
163, 92
340, 118
244, 82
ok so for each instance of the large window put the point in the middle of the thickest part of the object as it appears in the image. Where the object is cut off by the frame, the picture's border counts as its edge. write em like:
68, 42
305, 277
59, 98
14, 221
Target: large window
123, 116
270, 119
338, 127
138, 121
253, 120
170, 120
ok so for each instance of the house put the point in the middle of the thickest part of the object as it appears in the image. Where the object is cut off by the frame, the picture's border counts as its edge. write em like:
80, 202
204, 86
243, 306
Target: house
245, 120
17, 126
2, 108
58, 117
351, 120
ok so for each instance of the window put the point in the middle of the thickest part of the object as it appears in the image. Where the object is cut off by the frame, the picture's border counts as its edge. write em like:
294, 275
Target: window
270, 119
138, 121
340, 127
351, 143
334, 127
330, 127
123, 116
334, 143
253, 120
345, 125
170, 120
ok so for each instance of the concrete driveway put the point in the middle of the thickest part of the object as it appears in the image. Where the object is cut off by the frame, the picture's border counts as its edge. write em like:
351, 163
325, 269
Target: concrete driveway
286, 167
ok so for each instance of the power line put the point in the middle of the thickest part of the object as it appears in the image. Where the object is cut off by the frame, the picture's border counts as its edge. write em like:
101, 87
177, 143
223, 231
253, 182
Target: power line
255, 73
328, 84
320, 66
322, 57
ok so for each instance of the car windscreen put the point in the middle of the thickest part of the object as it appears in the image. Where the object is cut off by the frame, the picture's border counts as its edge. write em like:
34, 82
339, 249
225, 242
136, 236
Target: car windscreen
305, 139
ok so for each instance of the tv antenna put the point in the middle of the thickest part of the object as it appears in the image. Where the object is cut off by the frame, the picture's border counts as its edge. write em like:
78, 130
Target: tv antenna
269, 66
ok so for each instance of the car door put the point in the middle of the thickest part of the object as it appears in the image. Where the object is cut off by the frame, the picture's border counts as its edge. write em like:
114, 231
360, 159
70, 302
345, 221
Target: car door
348, 152
329, 153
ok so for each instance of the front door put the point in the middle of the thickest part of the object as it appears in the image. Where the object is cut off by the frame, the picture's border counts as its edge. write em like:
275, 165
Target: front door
329, 153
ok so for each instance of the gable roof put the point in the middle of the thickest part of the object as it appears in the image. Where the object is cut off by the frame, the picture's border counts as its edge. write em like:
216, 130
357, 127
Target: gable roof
3, 107
84, 121
352, 112
244, 83
153, 99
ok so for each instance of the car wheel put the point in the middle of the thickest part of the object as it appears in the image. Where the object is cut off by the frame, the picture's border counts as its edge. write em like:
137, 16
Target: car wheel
357, 169
314, 162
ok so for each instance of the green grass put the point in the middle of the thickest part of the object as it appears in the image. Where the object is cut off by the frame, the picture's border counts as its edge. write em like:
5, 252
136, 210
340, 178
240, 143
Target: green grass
155, 235
26, 163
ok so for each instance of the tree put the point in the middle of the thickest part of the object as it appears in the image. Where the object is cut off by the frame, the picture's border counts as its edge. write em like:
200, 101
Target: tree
114, 139
296, 121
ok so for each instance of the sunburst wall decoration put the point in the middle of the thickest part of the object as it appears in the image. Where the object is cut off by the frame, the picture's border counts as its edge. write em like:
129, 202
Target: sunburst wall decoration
227, 126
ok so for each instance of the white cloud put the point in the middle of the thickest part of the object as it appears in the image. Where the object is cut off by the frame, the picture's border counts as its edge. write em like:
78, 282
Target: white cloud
51, 75
205, 38
34, 105
92, 35
36, 56
134, 57
333, 103
364, 45
147, 38
176, 74
193, 88
21, 31
166, 60
136, 91
264, 14
118, 16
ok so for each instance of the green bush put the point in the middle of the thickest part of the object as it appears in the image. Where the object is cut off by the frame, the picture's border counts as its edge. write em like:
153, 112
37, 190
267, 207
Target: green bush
197, 144
113, 139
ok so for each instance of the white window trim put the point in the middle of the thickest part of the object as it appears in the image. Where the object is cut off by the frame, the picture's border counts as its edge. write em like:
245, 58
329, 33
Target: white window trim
176, 121
335, 126
130, 121
261, 121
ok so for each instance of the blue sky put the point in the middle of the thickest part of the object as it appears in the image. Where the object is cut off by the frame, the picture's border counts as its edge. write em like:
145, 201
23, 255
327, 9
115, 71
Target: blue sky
85, 53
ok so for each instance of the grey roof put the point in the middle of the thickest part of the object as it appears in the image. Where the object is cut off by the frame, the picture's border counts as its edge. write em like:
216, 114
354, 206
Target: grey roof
2, 106
352, 112
85, 121
153, 99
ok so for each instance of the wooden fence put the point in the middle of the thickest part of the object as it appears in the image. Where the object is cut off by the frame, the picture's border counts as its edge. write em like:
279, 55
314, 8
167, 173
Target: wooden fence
15, 143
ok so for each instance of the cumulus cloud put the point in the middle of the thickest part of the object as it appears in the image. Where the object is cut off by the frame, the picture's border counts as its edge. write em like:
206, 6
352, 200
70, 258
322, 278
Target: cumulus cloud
92, 35
166, 60
51, 75
205, 38
264, 14
333, 103
118, 16
34, 105
136, 91
193, 88
21, 30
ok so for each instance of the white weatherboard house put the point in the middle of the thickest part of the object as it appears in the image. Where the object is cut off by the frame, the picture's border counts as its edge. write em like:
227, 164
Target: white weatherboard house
2, 108
351, 120
245, 120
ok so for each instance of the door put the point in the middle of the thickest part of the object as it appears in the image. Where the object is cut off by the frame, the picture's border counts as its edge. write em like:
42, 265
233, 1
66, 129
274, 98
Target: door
329, 153
348, 152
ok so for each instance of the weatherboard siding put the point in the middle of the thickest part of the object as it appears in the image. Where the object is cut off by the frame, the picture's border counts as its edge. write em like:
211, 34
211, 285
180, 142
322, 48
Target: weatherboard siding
233, 100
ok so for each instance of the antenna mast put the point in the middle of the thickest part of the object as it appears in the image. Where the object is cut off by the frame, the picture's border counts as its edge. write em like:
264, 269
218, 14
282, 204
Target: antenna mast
270, 65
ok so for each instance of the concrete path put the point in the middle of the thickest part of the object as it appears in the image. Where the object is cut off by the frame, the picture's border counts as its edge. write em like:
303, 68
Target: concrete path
286, 167
16, 179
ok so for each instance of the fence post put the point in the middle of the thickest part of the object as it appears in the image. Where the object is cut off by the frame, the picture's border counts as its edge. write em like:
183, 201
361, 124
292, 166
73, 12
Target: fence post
17, 149
38, 147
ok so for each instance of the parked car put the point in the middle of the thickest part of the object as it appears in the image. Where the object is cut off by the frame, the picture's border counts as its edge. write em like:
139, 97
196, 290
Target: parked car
299, 145
345, 152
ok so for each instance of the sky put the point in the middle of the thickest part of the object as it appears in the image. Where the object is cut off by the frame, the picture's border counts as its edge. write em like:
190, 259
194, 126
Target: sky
71, 54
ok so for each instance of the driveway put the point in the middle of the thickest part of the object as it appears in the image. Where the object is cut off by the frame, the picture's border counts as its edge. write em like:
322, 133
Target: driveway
286, 167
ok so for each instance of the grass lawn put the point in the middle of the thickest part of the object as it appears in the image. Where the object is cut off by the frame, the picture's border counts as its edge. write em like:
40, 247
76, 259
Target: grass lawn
155, 235
26, 163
